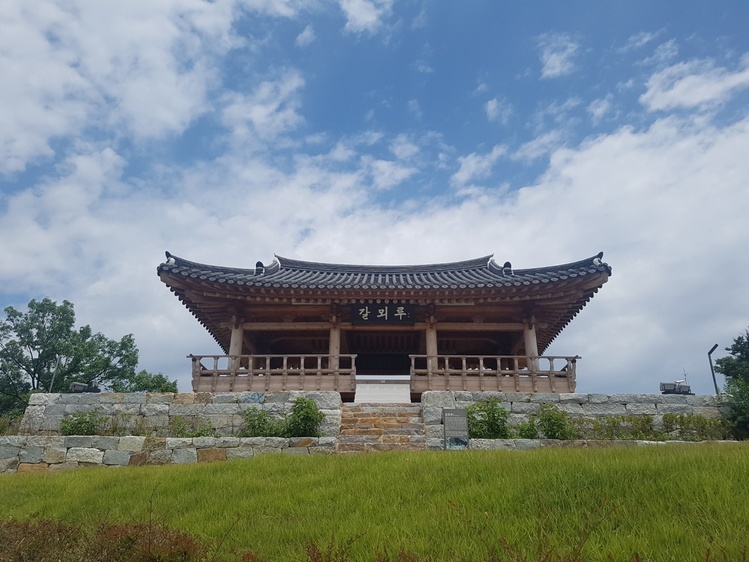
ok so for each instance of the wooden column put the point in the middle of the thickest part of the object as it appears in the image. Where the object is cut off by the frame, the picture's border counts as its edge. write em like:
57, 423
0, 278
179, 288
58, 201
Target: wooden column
431, 341
531, 344
235, 345
334, 343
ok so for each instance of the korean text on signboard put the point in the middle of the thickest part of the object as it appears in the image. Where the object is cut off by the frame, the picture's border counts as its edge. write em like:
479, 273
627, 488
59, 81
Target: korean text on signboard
382, 313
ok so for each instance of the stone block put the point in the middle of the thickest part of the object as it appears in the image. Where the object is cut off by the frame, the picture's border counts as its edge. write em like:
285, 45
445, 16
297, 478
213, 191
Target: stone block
134, 398
8, 465
572, 409
43, 398
221, 409
598, 398
637, 409
184, 456
251, 398
525, 408
433, 399
630, 398
116, 458
435, 444
709, 412
516, 396
124, 409
138, 459
55, 454
185, 410
160, 456
111, 398
13, 441
674, 409
225, 397
211, 454
302, 442
432, 415
605, 409
32, 467
80, 441
57, 409
40, 440
491, 444
673, 399
31, 455
239, 453
70, 399
204, 442
186, 398
154, 410
85, 454
105, 442
8, 451
527, 444
325, 399
62, 467
131, 443
160, 398
179, 442
276, 397
545, 397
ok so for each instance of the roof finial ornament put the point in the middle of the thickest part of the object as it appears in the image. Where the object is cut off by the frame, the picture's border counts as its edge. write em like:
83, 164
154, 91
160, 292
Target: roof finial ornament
598, 259
170, 259
507, 268
259, 268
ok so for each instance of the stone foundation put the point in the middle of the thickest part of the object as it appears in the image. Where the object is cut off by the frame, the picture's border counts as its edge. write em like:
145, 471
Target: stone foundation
42, 448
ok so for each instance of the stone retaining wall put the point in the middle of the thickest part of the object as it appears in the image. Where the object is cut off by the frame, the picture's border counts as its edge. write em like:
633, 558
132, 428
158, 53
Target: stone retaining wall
42, 448
521, 405
152, 414
32, 453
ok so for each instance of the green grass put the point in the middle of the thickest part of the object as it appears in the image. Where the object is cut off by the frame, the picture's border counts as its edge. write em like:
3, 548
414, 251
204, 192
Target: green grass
662, 503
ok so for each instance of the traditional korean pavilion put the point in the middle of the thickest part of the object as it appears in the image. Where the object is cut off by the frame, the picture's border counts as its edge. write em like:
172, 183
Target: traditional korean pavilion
468, 325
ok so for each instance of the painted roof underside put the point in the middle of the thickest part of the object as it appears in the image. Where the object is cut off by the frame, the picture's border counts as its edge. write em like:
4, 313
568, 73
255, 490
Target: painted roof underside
557, 293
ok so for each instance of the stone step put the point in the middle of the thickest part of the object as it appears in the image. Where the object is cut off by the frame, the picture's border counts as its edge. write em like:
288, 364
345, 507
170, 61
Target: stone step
381, 427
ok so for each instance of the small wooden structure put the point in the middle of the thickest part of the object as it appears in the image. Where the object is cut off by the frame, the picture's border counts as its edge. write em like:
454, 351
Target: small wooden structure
470, 325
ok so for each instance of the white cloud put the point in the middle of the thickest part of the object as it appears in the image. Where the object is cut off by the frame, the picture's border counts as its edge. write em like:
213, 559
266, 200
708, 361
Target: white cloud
386, 174
267, 113
557, 54
598, 108
694, 84
402, 148
306, 37
476, 166
664, 53
538, 147
365, 15
640, 40
498, 111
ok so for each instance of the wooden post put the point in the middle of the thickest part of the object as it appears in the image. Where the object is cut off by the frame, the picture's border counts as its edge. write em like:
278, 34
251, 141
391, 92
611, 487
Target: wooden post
431, 341
531, 344
334, 345
235, 345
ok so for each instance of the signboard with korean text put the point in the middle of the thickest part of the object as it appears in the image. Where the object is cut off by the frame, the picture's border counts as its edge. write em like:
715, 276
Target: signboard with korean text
372, 313
455, 422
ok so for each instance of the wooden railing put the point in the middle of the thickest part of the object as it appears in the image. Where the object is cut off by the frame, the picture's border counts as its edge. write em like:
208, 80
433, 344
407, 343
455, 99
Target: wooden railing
503, 373
269, 373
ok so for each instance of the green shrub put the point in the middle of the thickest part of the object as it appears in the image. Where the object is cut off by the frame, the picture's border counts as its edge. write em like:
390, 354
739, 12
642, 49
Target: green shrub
304, 420
555, 424
527, 429
691, 427
259, 423
83, 423
195, 427
9, 425
488, 420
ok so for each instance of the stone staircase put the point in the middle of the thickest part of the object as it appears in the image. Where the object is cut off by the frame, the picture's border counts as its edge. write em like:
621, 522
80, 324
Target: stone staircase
381, 427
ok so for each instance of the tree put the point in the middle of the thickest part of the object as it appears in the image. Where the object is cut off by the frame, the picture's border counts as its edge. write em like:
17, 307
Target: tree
735, 369
145, 382
41, 350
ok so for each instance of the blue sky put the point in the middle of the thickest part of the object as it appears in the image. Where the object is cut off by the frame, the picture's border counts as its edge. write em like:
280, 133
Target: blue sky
374, 131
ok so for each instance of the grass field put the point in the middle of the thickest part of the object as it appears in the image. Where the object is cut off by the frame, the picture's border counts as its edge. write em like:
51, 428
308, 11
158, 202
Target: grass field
661, 503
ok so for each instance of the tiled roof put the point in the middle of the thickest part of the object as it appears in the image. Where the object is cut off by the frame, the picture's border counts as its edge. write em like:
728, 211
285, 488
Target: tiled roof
480, 273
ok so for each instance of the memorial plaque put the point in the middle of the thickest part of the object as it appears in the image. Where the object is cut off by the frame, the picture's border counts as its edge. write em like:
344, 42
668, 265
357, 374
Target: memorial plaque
455, 422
